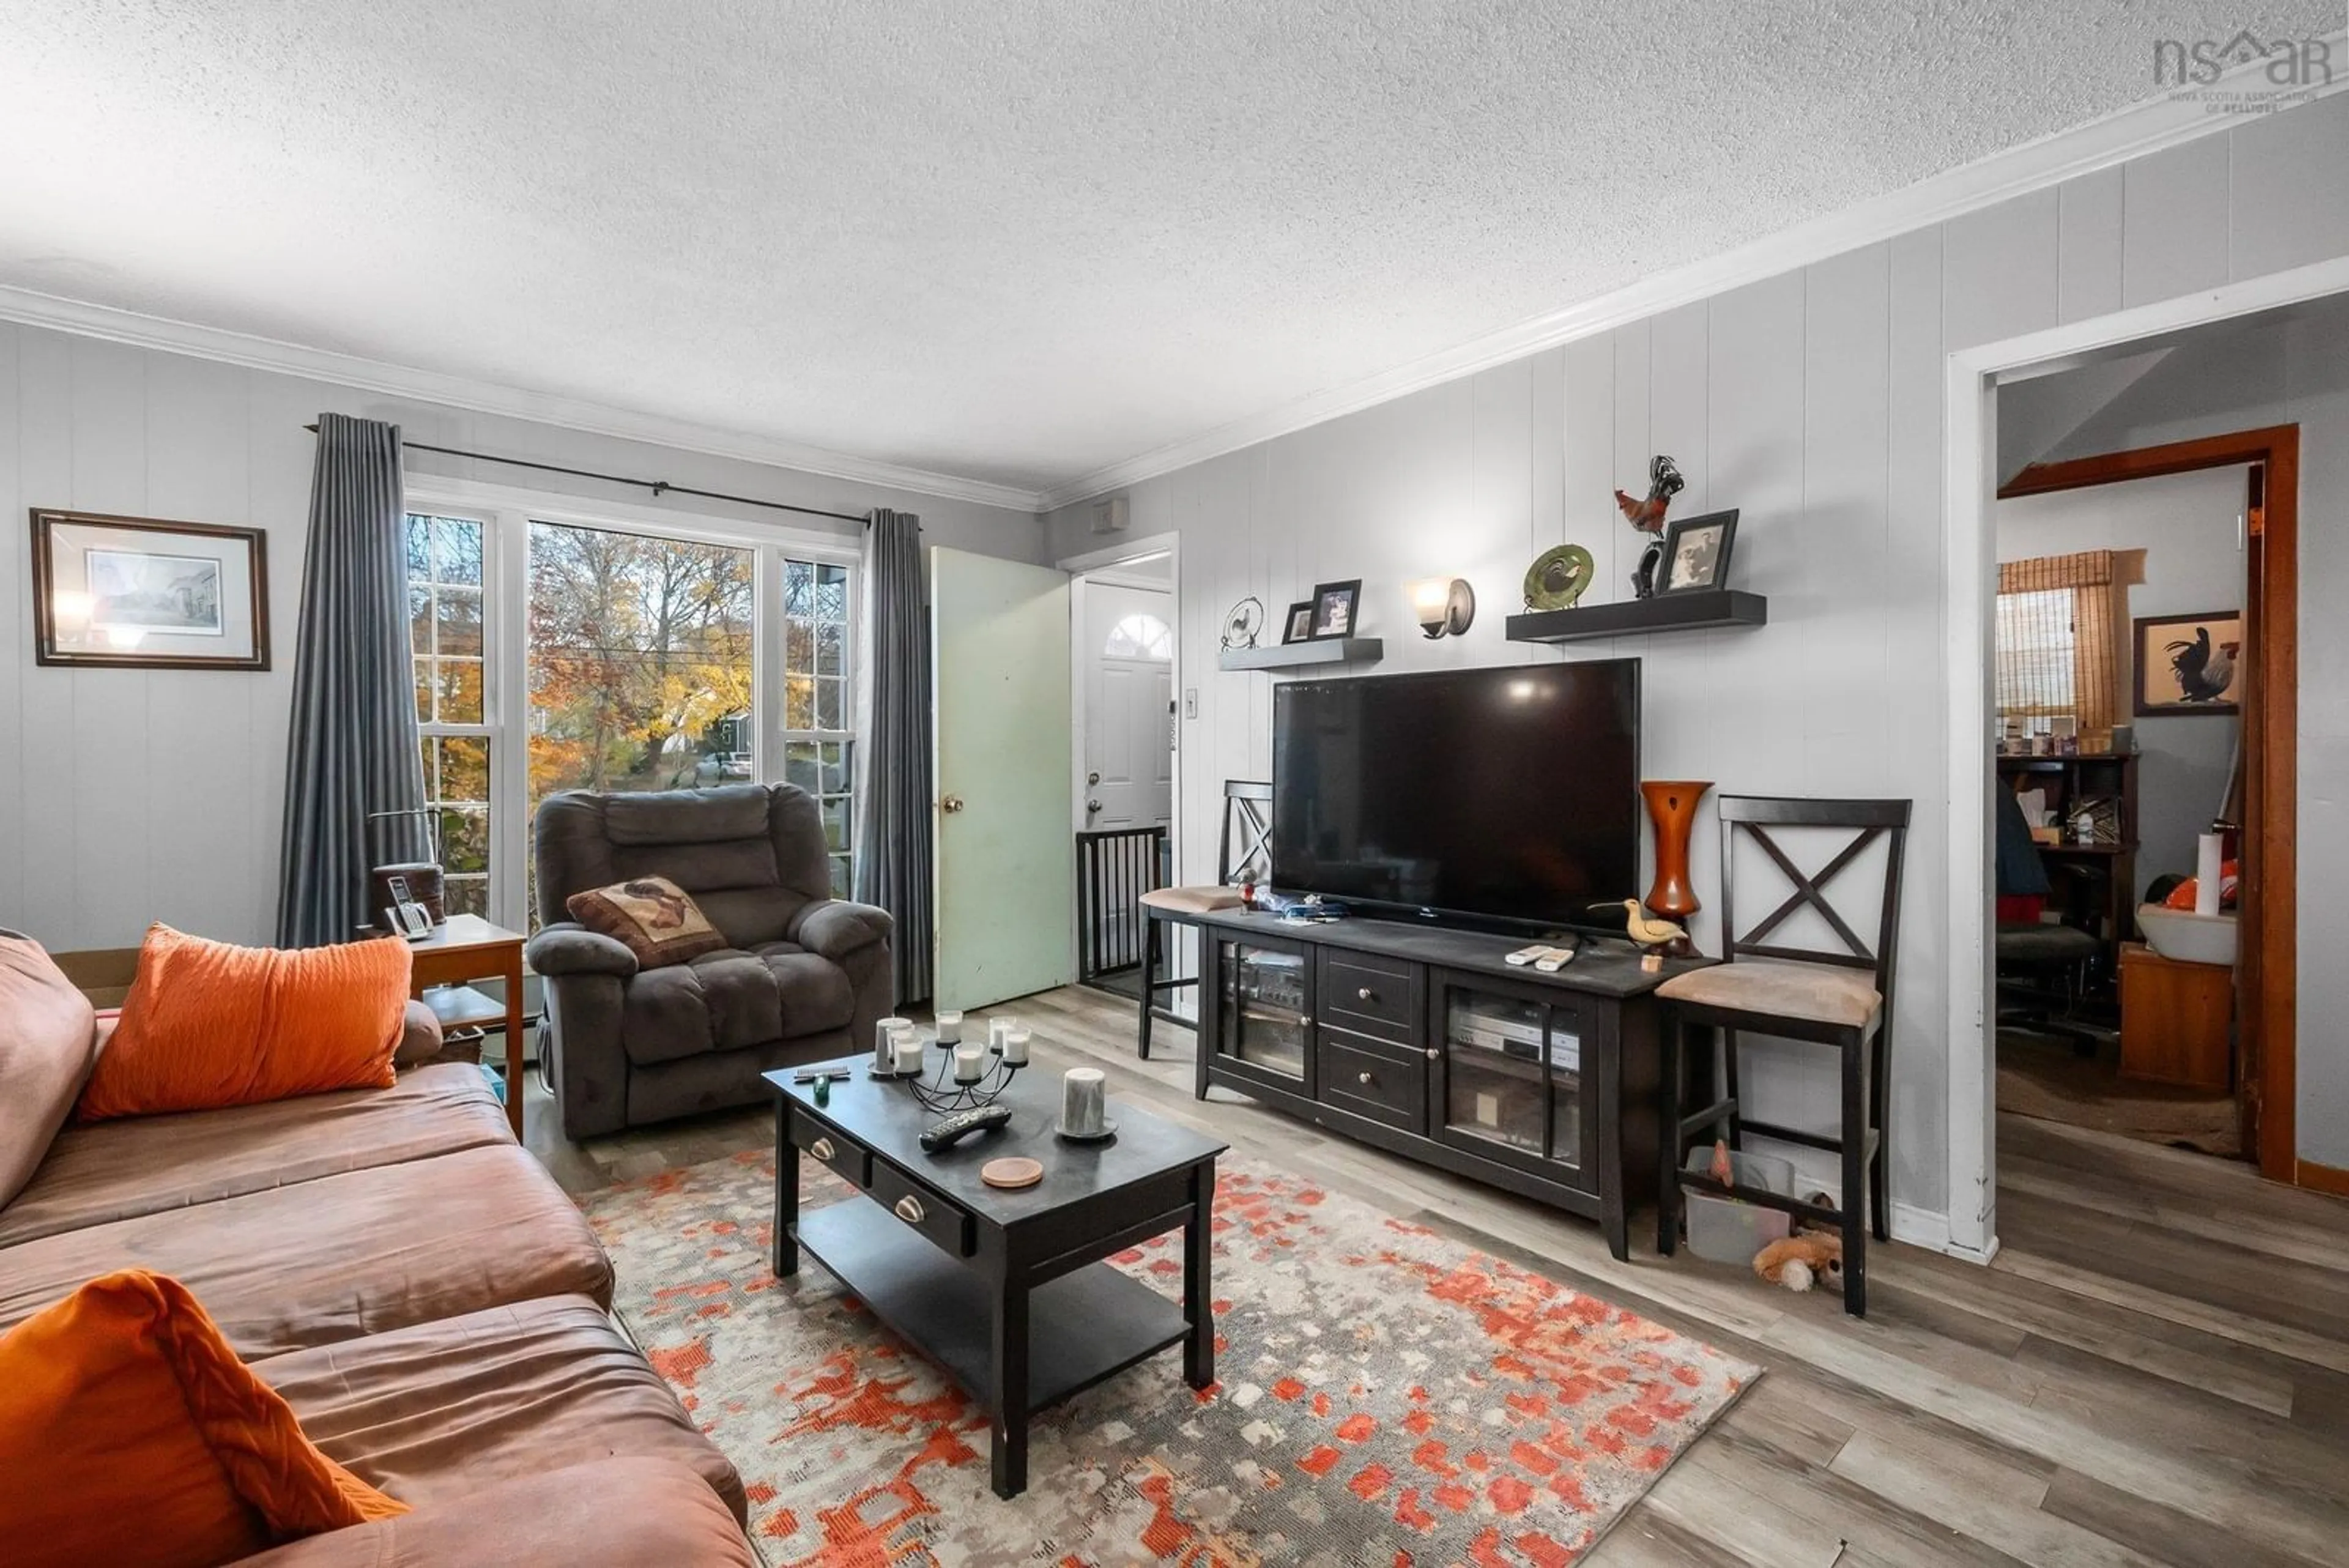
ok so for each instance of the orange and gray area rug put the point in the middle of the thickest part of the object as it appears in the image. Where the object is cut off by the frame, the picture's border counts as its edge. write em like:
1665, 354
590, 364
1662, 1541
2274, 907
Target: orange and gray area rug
1388, 1396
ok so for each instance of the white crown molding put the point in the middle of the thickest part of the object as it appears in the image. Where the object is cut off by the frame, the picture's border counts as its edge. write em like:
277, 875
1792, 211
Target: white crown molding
2127, 133
35, 309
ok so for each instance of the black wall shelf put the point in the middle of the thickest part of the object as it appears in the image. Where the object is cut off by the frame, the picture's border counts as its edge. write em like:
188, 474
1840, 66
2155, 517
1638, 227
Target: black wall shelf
1665, 612
1303, 655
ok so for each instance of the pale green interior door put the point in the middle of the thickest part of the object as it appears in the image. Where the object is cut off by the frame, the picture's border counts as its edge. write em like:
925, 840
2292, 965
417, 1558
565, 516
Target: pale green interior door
1006, 861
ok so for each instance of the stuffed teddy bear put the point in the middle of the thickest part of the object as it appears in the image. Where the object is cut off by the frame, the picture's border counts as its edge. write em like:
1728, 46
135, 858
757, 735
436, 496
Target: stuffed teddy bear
1797, 1261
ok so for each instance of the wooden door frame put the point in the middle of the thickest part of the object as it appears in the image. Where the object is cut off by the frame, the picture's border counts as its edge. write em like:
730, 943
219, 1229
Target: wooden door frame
2267, 975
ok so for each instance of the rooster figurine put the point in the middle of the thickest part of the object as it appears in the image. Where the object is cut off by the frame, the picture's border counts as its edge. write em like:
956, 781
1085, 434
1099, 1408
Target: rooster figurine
1656, 938
1664, 482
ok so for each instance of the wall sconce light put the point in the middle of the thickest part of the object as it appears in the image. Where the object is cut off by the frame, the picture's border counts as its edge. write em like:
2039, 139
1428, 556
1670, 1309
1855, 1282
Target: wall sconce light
1446, 606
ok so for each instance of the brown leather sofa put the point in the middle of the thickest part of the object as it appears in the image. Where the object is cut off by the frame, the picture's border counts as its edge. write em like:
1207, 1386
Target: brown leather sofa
423, 1294
805, 975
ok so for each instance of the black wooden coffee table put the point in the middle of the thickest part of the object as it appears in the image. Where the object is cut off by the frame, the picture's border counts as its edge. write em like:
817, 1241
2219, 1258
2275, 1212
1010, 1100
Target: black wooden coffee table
1005, 1291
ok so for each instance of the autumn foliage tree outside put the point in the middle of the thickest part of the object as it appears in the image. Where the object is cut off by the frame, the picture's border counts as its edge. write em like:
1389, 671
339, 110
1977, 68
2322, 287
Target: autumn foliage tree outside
640, 659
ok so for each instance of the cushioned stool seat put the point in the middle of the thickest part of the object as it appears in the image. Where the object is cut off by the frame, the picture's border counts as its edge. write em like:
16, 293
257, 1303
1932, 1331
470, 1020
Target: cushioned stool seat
1818, 992
1192, 901
2044, 945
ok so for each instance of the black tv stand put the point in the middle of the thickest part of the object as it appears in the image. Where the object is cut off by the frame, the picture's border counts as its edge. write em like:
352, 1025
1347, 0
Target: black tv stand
1422, 1040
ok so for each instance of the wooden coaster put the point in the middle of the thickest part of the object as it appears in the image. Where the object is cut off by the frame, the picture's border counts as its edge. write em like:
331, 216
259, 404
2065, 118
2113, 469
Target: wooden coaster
1015, 1170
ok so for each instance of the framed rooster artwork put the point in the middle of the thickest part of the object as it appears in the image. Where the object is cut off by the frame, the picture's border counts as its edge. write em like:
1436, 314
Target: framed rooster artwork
2189, 664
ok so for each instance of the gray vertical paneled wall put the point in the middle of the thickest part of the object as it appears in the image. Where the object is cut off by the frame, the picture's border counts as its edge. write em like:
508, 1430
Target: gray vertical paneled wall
1813, 402
130, 795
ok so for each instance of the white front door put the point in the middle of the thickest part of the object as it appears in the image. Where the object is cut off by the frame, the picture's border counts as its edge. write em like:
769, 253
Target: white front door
1006, 865
1129, 651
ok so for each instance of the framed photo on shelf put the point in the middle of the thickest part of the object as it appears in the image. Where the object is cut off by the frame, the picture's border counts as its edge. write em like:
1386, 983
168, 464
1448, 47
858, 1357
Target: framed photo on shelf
1333, 609
1299, 627
2189, 663
1696, 553
137, 593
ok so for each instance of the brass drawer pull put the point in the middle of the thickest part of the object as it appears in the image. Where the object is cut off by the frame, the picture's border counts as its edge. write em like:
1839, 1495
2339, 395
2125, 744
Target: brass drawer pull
1432, 1052
909, 1210
1367, 995
821, 1148
1366, 1078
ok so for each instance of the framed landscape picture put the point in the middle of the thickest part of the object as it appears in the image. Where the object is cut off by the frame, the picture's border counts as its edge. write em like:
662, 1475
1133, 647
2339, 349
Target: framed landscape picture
137, 593
2189, 663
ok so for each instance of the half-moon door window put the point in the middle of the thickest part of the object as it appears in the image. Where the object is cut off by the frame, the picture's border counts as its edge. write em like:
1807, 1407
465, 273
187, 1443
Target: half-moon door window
1140, 636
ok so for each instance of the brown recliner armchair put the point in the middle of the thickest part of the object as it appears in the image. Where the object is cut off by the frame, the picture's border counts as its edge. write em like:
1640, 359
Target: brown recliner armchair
805, 978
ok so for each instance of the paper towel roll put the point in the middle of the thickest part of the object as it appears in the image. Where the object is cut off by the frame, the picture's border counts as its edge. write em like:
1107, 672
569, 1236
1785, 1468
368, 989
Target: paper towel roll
2206, 852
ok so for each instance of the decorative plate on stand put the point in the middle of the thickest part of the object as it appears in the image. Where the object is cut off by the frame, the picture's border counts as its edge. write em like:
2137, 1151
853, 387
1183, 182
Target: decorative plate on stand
1243, 621
1559, 576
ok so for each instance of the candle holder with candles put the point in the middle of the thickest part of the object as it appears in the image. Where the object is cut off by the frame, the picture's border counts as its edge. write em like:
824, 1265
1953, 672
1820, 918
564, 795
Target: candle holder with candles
969, 1075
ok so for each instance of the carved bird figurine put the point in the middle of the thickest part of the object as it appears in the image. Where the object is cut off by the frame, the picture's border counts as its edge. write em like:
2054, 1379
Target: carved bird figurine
1664, 482
1644, 928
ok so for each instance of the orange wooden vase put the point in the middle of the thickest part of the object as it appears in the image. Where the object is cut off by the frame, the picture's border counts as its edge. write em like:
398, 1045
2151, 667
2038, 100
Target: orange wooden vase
1671, 807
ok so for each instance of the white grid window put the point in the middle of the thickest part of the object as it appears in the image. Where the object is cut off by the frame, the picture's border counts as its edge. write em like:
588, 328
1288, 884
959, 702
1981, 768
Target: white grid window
446, 607
819, 699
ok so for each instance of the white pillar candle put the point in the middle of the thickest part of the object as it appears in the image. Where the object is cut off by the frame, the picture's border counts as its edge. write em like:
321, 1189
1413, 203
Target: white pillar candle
909, 1055
1000, 1025
1015, 1046
1084, 1101
884, 1042
950, 1028
967, 1063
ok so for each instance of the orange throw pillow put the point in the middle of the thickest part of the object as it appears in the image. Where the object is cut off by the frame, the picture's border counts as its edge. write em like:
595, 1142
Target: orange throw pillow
209, 1024
130, 1432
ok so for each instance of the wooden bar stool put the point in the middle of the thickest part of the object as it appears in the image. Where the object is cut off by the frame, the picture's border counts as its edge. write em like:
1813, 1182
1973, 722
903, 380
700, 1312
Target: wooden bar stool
1247, 829
1836, 995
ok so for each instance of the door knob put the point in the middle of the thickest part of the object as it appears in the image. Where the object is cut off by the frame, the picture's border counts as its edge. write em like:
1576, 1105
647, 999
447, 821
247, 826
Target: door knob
1093, 805
1092, 778
951, 803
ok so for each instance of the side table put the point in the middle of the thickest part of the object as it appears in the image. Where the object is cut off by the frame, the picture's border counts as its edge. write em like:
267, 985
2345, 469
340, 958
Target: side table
468, 947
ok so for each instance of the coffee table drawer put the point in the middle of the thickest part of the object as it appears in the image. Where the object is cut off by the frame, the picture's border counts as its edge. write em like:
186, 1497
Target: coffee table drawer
946, 1226
847, 1160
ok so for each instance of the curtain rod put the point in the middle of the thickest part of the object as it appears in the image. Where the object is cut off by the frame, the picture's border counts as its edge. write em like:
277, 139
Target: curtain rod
657, 486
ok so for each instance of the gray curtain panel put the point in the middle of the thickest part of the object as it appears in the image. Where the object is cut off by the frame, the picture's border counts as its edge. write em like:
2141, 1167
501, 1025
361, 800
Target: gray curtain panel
353, 747
892, 817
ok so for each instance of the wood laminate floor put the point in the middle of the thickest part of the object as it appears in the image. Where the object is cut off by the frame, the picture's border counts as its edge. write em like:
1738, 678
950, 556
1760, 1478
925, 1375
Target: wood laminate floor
2155, 1371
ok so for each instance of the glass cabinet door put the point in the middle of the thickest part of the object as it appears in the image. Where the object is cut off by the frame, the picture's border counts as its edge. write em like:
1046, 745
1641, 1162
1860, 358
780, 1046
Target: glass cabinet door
1512, 1076
1262, 1011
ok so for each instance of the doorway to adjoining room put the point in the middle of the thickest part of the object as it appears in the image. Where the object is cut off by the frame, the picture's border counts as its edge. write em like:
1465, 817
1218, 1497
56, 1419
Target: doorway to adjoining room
1124, 622
2143, 707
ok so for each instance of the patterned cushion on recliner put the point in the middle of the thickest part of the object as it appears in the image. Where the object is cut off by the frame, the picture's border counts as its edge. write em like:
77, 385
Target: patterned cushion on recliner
656, 919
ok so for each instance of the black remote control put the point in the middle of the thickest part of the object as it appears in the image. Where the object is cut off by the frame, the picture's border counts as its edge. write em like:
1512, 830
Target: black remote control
945, 1133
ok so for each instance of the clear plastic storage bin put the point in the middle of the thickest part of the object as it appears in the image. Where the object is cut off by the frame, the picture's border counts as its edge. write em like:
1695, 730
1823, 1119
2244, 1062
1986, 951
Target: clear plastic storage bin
1723, 1230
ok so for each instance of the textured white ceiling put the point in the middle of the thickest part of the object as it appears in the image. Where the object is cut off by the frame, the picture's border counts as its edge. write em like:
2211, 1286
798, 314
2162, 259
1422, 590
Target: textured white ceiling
1011, 242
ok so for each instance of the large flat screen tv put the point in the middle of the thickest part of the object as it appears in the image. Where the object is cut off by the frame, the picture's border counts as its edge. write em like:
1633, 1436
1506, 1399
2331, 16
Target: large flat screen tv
1506, 797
